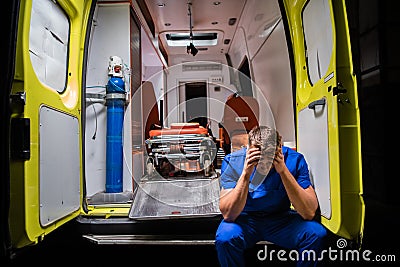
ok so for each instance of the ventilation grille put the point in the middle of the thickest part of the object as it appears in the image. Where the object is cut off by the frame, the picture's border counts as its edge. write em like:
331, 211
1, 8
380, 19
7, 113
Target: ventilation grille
201, 67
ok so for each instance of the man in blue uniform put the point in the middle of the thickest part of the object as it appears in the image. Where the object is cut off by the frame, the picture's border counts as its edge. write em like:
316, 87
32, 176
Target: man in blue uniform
259, 184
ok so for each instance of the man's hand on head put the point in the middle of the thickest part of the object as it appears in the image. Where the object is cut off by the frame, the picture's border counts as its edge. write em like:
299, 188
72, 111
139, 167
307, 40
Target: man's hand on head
253, 155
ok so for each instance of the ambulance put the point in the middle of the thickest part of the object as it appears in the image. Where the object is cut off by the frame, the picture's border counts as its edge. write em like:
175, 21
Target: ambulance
121, 112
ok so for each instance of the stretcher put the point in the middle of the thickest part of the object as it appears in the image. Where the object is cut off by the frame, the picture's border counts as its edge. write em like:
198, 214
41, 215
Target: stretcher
181, 181
181, 150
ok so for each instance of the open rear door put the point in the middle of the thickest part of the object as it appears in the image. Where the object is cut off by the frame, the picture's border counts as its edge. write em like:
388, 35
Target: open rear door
46, 133
328, 123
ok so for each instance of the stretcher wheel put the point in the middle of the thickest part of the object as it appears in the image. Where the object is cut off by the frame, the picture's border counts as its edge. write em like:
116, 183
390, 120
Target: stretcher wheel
149, 167
207, 167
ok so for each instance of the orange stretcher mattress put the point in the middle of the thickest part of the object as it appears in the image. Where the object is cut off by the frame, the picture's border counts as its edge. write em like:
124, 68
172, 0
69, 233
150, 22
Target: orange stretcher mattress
180, 129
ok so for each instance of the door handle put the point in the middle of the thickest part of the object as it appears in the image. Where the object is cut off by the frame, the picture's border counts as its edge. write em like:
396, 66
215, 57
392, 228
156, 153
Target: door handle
320, 102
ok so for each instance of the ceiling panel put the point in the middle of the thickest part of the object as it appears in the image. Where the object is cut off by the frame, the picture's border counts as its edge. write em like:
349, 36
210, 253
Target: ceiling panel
207, 16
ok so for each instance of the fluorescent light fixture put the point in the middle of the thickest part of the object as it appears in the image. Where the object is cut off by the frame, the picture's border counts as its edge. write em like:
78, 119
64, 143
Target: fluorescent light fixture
199, 39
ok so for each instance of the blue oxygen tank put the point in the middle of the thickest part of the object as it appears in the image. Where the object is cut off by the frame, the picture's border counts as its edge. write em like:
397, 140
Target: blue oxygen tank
115, 102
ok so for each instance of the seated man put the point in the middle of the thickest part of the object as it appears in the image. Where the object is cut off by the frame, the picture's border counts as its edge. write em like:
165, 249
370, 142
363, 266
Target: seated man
259, 184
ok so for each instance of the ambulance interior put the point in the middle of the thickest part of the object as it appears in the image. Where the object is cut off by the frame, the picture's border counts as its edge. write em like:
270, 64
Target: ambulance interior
194, 77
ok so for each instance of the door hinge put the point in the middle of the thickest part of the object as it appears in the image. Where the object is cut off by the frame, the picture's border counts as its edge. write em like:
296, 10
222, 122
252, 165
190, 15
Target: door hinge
17, 102
18, 98
339, 89
20, 138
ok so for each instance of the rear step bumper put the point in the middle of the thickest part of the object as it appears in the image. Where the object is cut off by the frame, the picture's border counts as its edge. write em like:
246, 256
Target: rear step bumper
153, 240
148, 240
201, 227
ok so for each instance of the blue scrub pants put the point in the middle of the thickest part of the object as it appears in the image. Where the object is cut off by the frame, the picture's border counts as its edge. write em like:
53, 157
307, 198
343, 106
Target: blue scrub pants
287, 230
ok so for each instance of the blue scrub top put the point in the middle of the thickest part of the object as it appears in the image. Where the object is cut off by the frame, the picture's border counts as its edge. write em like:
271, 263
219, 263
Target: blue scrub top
266, 194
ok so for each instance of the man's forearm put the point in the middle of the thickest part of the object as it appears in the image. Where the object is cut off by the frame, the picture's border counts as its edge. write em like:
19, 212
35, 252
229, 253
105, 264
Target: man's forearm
233, 201
303, 200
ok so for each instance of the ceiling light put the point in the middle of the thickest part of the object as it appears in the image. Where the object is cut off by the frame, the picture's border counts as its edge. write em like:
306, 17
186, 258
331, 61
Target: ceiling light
199, 38
232, 21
